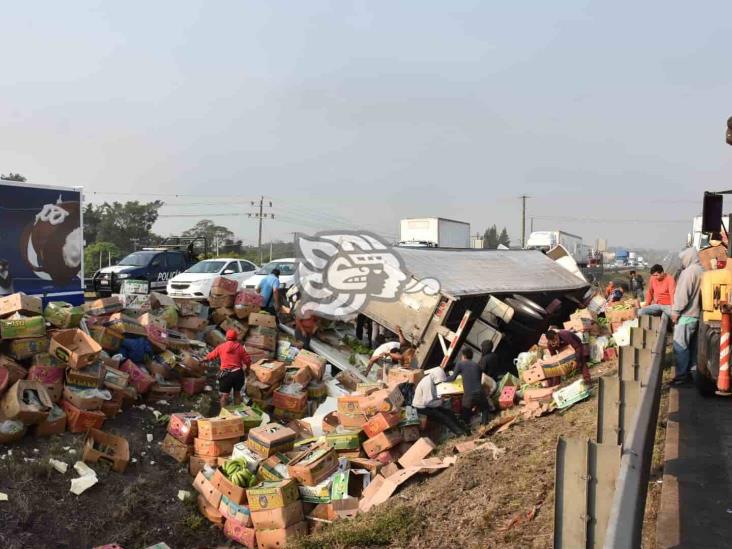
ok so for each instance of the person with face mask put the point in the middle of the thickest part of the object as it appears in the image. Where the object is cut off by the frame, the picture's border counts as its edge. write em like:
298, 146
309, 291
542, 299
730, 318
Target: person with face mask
685, 314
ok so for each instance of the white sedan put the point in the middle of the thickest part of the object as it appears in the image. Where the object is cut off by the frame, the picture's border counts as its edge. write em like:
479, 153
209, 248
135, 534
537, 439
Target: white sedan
287, 273
195, 283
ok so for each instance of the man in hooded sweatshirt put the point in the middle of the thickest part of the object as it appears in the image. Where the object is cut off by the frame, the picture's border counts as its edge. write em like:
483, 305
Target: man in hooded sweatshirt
234, 360
429, 404
685, 315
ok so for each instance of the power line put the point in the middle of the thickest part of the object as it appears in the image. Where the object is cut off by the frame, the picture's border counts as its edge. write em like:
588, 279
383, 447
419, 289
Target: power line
607, 220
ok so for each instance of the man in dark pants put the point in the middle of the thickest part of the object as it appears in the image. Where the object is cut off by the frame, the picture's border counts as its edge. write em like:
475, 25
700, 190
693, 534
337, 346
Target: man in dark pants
473, 394
428, 403
363, 323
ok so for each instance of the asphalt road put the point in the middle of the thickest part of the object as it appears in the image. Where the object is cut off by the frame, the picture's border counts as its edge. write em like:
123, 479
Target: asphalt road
696, 498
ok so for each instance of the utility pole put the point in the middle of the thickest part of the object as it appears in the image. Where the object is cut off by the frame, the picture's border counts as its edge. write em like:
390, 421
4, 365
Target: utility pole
261, 215
523, 198
532, 223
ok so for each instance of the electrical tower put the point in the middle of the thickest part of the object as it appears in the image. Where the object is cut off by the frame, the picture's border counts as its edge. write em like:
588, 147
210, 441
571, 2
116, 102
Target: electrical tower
261, 215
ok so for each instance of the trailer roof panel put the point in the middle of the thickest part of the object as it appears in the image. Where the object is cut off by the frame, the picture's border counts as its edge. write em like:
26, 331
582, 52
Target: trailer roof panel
479, 272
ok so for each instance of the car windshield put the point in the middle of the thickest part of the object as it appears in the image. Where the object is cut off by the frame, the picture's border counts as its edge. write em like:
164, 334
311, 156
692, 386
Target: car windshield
206, 267
286, 268
137, 259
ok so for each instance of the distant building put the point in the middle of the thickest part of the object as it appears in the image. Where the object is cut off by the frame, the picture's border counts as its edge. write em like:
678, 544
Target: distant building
601, 244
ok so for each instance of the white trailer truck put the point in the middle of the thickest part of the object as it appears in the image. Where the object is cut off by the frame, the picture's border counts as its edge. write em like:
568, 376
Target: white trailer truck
434, 232
546, 240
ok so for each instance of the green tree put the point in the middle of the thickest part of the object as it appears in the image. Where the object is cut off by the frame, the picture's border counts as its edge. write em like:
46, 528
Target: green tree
13, 177
503, 238
216, 235
100, 254
127, 225
490, 238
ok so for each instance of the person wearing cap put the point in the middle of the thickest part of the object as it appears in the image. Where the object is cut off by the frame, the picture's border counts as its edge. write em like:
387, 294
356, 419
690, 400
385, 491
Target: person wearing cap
233, 362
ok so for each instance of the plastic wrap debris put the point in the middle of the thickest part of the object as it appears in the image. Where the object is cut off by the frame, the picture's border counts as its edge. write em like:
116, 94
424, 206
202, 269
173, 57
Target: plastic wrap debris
11, 427
3, 496
87, 478
60, 466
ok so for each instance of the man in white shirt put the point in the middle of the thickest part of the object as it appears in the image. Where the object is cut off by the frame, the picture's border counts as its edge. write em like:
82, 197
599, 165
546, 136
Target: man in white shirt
428, 403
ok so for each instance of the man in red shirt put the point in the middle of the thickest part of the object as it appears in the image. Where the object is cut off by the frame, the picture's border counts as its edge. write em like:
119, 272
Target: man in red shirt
233, 360
660, 293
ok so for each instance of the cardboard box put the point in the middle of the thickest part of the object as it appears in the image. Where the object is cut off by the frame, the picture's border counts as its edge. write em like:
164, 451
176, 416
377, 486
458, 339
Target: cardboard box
240, 533
561, 364
105, 306
276, 539
410, 433
381, 422
184, 426
193, 323
21, 349
395, 376
193, 385
284, 399
158, 337
301, 376
176, 449
78, 397
54, 424
110, 408
150, 319
349, 404
274, 468
26, 305
16, 328
221, 301
110, 340
75, 348
213, 515
269, 372
382, 441
261, 341
224, 286
272, 495
388, 456
80, 421
248, 415
543, 394
214, 448
534, 374
419, 451
188, 307
196, 464
384, 400
313, 465
235, 511
238, 327
13, 404
352, 421
344, 441
101, 446
507, 397
313, 361
63, 315
249, 297
115, 379
92, 377
139, 378
265, 320
15, 370
281, 517
45, 373
167, 391
271, 438
204, 487
234, 493
242, 312
220, 428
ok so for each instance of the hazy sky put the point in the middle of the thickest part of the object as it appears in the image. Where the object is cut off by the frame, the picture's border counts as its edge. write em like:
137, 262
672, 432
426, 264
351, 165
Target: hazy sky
354, 114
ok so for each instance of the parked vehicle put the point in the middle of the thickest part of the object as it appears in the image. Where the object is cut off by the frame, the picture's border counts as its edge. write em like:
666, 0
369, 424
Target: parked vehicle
434, 232
546, 240
195, 282
155, 265
286, 267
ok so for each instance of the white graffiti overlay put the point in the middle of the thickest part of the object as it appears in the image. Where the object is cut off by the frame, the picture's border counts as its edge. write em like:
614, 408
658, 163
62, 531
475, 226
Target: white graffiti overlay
338, 273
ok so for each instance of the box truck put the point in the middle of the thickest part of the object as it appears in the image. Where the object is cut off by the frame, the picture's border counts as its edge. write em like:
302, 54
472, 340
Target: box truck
434, 232
42, 241
546, 240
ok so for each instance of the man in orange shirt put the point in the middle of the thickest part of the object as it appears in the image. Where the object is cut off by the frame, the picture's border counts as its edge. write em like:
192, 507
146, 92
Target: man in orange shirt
660, 293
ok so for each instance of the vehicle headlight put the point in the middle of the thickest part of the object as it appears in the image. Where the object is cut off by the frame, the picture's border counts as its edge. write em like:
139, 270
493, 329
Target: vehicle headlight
122, 276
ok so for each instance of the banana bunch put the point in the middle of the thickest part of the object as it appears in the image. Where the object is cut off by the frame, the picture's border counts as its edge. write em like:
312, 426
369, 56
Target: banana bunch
236, 471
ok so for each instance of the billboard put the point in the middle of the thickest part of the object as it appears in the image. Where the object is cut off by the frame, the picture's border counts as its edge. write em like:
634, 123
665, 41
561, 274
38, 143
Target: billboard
41, 242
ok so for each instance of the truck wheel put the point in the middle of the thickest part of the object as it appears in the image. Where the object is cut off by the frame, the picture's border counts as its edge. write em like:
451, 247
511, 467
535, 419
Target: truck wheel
707, 358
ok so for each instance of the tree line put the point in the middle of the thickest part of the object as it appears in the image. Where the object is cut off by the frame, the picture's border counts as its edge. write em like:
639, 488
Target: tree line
492, 238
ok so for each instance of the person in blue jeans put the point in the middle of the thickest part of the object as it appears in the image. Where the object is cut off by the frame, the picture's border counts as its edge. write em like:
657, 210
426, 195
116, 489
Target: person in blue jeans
685, 315
269, 289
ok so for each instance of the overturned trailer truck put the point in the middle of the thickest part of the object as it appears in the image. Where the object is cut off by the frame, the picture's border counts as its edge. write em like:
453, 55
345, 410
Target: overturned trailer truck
507, 296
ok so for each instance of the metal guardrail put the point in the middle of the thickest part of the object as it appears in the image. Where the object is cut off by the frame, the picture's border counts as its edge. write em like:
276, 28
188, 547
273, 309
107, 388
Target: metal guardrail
601, 486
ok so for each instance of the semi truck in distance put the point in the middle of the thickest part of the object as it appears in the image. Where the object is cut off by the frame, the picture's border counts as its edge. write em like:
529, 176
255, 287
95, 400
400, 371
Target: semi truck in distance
434, 232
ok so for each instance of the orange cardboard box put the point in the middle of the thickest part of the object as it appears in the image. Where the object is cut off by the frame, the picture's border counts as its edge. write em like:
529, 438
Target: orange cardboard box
240, 533
101, 446
176, 449
14, 406
313, 465
281, 517
80, 421
204, 487
271, 438
214, 448
196, 464
236, 494
75, 348
313, 361
265, 320
381, 442
224, 286
352, 422
220, 428
385, 400
277, 539
220, 301
184, 426
381, 422
404, 375
419, 450
211, 513
350, 404
269, 372
293, 402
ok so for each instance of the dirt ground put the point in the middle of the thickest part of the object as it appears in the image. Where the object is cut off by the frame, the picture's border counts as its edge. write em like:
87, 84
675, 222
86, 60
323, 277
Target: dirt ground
135, 509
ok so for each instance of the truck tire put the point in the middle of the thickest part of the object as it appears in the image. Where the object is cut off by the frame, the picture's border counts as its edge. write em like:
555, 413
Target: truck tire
707, 367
